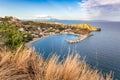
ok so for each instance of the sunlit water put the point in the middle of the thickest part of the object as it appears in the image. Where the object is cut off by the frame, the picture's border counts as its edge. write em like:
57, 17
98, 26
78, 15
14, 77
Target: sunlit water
102, 50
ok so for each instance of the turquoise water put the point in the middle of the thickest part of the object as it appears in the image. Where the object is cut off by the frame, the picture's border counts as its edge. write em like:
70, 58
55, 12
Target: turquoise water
102, 50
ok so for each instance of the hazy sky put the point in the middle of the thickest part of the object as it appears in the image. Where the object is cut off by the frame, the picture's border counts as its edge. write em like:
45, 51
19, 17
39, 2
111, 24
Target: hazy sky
62, 9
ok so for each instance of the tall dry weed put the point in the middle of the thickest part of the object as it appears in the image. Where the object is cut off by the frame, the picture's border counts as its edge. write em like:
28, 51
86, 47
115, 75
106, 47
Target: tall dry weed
25, 64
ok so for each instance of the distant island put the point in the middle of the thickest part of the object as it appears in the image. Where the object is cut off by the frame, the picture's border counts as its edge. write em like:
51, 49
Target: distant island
32, 30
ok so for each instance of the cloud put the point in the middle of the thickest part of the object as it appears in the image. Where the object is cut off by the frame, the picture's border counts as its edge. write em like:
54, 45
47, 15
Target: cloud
46, 17
40, 17
69, 8
101, 9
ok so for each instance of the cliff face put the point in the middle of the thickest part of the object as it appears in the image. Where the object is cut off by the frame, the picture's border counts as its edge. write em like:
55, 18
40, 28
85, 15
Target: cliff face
86, 27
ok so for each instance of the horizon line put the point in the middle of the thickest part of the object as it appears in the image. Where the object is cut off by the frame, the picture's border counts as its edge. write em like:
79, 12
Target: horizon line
60, 19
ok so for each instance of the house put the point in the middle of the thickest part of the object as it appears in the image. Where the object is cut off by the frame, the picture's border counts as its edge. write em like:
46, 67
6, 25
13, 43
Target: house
21, 29
57, 31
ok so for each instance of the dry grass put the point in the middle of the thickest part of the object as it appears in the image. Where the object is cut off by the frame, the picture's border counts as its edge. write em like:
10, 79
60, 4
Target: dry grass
25, 64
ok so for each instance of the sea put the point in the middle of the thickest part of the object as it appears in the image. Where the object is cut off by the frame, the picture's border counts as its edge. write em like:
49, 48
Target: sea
101, 51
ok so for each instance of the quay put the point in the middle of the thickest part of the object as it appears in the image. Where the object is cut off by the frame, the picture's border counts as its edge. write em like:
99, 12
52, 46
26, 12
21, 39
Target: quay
79, 39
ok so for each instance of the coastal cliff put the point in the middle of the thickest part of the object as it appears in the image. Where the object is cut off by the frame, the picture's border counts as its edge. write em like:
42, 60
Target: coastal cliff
86, 26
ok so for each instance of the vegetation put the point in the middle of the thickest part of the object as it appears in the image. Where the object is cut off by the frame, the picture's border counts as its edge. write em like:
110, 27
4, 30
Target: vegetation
13, 38
25, 64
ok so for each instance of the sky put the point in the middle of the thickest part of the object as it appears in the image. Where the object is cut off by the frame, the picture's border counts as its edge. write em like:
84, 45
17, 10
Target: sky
62, 9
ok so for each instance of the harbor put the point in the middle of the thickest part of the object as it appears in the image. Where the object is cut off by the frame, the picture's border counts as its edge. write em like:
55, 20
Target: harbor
79, 39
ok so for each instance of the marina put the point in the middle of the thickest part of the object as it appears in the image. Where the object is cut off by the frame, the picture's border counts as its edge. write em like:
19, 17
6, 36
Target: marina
79, 39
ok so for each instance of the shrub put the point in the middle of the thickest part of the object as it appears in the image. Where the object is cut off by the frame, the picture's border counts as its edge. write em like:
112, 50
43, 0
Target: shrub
12, 36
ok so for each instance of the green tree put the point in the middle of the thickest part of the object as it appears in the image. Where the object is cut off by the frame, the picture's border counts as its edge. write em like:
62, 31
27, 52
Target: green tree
12, 36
